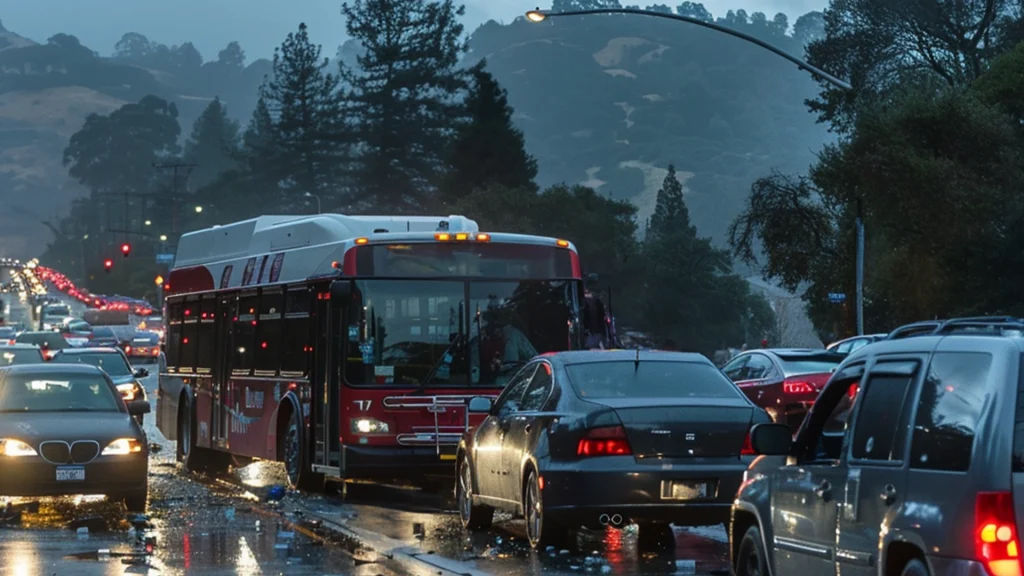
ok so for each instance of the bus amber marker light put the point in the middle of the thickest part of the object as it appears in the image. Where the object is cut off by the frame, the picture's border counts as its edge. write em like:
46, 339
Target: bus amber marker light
483, 237
361, 241
442, 236
562, 243
462, 236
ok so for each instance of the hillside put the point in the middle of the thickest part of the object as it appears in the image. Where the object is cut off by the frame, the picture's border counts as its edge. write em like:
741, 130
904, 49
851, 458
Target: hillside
606, 101
46, 92
610, 101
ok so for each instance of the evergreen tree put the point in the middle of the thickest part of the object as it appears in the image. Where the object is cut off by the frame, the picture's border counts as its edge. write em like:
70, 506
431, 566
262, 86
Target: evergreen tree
488, 149
259, 142
692, 296
303, 100
213, 144
403, 96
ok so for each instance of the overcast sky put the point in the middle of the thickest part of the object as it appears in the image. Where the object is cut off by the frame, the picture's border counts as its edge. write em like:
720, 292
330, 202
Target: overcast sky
260, 25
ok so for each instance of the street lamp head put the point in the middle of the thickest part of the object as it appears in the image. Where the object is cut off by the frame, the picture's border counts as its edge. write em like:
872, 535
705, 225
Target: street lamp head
199, 209
148, 222
308, 194
163, 237
537, 15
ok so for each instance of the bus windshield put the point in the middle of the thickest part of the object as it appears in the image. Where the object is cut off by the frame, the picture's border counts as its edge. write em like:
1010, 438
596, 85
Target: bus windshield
453, 333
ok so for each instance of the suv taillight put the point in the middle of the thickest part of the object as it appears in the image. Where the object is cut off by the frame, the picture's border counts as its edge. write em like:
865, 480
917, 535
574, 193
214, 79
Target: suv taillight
995, 533
748, 447
606, 441
798, 388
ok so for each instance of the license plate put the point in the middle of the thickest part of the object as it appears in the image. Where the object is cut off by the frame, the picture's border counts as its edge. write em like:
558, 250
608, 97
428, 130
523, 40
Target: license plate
675, 490
70, 474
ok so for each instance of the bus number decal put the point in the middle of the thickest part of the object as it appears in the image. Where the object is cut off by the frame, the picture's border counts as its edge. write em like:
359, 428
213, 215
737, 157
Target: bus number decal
363, 405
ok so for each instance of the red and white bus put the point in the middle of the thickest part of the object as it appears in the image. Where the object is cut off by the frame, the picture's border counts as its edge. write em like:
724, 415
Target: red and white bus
350, 346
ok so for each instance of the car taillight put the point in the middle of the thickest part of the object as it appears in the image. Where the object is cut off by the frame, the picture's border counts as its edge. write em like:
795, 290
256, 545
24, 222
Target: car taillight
798, 388
607, 441
852, 392
748, 447
995, 533
127, 349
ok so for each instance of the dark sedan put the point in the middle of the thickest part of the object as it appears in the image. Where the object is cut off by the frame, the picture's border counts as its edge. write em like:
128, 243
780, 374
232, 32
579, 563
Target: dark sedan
142, 344
48, 342
115, 364
65, 430
12, 354
598, 438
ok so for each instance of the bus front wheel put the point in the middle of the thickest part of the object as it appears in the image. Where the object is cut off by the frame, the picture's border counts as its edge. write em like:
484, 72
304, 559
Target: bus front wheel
293, 450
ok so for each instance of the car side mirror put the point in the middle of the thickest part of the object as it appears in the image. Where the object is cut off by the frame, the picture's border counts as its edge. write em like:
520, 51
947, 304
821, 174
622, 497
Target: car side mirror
138, 407
480, 405
771, 439
341, 293
141, 372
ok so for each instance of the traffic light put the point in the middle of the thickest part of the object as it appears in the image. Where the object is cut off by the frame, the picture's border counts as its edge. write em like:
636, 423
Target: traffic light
126, 249
107, 265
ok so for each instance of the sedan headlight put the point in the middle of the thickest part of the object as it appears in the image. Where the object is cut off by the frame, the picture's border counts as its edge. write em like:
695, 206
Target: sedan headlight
369, 426
127, 391
11, 447
122, 446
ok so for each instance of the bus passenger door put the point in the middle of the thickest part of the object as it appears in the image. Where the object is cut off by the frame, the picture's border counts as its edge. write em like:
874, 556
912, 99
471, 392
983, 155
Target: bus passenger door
221, 369
325, 406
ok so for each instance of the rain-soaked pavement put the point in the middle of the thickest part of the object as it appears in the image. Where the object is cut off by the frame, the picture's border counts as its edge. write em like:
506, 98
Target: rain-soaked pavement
226, 526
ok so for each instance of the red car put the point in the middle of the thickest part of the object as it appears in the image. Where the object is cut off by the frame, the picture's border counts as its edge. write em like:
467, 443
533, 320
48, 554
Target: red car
785, 382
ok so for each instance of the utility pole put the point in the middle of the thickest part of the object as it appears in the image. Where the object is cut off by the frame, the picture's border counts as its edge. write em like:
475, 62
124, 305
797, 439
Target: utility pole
860, 267
175, 167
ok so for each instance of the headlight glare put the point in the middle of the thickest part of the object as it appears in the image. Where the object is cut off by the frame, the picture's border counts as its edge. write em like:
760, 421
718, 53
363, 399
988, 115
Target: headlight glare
369, 426
11, 447
127, 391
123, 446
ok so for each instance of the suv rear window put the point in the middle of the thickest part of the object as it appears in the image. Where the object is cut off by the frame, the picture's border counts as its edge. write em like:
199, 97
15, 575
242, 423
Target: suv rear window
949, 410
651, 379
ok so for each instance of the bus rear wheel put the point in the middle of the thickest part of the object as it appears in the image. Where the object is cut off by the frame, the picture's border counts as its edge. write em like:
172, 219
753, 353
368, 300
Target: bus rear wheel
292, 448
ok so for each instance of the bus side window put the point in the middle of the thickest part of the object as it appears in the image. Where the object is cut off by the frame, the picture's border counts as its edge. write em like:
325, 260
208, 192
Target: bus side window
268, 355
245, 333
207, 340
295, 343
173, 332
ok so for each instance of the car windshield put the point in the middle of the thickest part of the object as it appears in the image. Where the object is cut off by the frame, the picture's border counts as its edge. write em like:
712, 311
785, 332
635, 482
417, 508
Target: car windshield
103, 332
52, 340
57, 310
56, 392
12, 356
78, 326
650, 379
794, 365
409, 332
7, 332
110, 362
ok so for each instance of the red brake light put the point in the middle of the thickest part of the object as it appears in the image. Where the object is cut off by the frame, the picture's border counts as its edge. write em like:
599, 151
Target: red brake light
748, 447
606, 441
852, 392
798, 388
995, 533
127, 349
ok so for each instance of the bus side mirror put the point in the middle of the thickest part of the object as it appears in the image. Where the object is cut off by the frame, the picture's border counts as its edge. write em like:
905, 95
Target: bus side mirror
341, 292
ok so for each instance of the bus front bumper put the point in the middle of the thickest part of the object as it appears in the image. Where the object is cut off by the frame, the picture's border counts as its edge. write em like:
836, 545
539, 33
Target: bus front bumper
398, 463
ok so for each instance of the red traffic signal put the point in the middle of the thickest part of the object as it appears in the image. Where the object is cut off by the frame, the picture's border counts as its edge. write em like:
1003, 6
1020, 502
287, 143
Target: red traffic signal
108, 264
126, 249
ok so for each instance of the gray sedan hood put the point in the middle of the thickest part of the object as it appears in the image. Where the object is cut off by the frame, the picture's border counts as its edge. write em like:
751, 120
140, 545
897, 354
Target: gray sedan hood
35, 427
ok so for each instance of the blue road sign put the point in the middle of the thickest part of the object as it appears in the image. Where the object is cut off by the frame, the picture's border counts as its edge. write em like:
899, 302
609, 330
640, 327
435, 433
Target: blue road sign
836, 297
165, 258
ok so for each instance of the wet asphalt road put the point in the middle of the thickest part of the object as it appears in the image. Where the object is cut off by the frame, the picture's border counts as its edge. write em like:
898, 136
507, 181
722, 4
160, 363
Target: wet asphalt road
224, 526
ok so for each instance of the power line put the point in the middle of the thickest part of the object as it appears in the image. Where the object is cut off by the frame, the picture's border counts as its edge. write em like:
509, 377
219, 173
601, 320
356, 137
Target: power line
175, 167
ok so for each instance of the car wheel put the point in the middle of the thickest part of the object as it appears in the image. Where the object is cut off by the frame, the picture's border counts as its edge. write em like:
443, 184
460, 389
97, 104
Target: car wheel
751, 559
136, 501
540, 530
474, 517
915, 568
296, 463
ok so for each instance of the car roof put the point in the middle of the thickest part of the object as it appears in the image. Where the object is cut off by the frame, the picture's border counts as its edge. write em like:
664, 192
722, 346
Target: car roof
19, 346
591, 356
51, 368
95, 350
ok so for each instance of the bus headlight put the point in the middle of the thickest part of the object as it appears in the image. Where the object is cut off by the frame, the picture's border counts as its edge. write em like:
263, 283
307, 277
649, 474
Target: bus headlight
11, 447
122, 446
369, 426
127, 391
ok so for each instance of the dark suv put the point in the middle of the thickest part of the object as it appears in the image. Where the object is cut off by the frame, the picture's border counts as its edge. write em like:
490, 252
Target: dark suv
911, 462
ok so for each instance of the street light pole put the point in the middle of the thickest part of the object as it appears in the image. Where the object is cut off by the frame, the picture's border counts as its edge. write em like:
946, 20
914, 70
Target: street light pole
539, 15
311, 195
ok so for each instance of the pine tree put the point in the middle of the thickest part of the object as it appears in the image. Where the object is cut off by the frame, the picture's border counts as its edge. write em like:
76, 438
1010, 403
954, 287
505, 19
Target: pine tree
259, 142
213, 144
488, 150
671, 218
303, 100
403, 96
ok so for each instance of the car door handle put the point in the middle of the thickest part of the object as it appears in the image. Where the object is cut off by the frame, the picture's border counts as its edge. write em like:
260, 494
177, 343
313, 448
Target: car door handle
889, 494
824, 490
